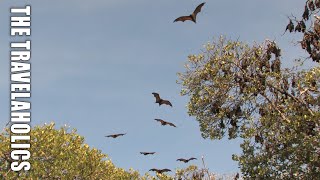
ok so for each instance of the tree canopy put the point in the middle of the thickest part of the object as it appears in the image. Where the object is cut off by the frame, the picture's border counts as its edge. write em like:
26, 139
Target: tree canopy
241, 90
61, 154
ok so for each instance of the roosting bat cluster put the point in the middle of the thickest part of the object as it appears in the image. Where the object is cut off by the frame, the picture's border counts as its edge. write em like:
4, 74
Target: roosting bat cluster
311, 36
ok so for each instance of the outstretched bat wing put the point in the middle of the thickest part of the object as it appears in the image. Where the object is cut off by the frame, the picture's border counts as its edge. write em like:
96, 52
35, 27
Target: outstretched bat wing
198, 9
159, 120
166, 102
153, 169
147, 153
165, 170
115, 135
192, 158
110, 136
171, 124
157, 96
183, 18
181, 159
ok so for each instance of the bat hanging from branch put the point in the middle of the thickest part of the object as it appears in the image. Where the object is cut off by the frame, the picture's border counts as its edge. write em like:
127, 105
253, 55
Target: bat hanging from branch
147, 153
186, 160
160, 171
236, 177
163, 123
191, 17
115, 135
161, 101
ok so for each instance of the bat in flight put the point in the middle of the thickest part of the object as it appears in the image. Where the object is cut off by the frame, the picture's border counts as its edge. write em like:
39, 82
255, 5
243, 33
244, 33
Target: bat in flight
163, 123
147, 153
115, 135
191, 17
161, 101
160, 171
186, 160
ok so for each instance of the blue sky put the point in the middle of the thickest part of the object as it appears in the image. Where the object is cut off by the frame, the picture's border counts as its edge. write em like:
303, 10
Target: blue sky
95, 64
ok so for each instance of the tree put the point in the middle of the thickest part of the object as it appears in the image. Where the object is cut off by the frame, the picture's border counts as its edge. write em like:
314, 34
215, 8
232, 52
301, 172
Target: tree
242, 90
193, 172
61, 154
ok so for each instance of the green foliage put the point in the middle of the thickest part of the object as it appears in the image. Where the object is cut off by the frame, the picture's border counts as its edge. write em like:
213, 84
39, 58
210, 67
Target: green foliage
227, 81
243, 91
286, 149
191, 172
60, 154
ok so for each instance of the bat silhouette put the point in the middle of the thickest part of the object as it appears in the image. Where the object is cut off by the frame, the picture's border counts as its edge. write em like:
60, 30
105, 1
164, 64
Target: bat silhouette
161, 101
147, 153
237, 176
191, 17
163, 123
186, 160
115, 135
289, 27
316, 24
160, 171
